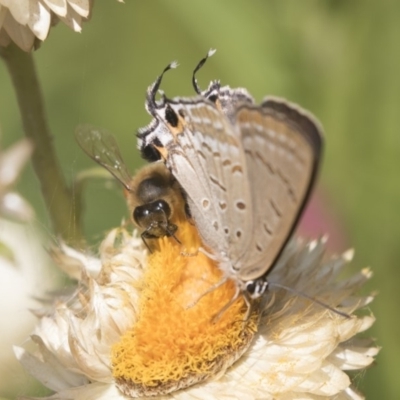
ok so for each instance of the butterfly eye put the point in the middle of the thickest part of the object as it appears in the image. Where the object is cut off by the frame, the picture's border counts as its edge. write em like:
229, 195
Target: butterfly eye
251, 287
171, 117
150, 153
158, 211
213, 98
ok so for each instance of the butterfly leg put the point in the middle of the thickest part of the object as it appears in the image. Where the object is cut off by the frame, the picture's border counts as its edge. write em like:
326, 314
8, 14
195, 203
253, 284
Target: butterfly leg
209, 255
226, 306
201, 250
187, 254
211, 289
249, 305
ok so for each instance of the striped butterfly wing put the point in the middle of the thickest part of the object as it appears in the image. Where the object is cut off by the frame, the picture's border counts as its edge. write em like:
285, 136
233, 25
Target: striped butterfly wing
283, 146
208, 161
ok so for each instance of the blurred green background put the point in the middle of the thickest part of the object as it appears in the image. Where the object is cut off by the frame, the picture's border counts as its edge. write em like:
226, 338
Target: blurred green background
340, 59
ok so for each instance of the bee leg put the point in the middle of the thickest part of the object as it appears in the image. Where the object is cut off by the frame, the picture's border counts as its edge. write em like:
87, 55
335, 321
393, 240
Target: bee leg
170, 230
143, 236
178, 241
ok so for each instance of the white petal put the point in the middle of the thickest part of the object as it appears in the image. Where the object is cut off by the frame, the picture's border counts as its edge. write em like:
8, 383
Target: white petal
14, 206
72, 20
19, 10
54, 332
40, 20
98, 391
82, 7
352, 394
353, 358
73, 262
221, 390
356, 281
352, 326
13, 160
49, 371
326, 381
59, 7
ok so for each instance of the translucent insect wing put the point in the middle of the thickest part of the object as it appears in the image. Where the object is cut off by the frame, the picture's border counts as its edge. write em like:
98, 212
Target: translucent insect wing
102, 147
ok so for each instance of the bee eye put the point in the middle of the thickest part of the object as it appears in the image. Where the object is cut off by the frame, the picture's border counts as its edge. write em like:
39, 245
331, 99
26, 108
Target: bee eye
149, 210
161, 205
139, 213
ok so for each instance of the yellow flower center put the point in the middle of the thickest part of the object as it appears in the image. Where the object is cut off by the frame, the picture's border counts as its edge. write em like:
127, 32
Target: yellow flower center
176, 336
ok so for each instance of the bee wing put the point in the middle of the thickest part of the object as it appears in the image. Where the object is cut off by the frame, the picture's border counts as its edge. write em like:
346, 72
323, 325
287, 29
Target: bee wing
102, 147
283, 146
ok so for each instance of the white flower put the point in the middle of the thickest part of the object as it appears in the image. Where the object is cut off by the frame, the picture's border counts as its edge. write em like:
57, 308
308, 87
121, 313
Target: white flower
129, 329
24, 277
21, 21
12, 161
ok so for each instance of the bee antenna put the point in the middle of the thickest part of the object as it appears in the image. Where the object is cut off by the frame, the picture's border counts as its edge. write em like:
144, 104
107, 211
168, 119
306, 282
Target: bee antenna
319, 302
199, 65
152, 90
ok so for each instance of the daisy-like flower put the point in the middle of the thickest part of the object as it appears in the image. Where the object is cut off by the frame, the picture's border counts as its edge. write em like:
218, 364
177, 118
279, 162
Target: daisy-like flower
12, 160
22, 21
22, 283
140, 325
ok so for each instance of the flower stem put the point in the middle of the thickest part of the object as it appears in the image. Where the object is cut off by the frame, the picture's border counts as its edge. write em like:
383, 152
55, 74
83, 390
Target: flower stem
63, 210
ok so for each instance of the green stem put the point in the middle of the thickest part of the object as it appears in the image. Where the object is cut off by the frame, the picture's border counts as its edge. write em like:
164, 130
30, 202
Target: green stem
59, 199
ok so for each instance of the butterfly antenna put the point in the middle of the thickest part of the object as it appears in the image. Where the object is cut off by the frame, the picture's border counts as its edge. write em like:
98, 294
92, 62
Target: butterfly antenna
152, 90
199, 65
319, 302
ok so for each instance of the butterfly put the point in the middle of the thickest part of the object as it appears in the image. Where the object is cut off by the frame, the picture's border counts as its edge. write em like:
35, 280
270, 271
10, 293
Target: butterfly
247, 171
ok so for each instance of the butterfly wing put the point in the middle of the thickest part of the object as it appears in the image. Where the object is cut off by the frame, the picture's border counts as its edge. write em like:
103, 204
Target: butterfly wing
247, 171
283, 146
206, 157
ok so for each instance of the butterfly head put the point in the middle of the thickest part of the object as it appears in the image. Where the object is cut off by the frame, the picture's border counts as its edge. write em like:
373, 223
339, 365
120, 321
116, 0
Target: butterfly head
256, 288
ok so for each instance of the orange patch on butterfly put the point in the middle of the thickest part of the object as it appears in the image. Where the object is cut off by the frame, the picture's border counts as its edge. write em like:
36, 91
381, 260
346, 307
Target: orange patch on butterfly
175, 338
179, 128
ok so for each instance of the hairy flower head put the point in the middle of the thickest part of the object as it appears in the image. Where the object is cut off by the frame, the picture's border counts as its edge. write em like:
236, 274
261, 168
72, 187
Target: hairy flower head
138, 325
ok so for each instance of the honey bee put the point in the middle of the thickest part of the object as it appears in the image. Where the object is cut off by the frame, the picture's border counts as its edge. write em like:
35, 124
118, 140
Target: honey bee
153, 195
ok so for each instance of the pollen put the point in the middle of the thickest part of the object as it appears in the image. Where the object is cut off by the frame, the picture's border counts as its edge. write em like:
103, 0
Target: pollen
181, 337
